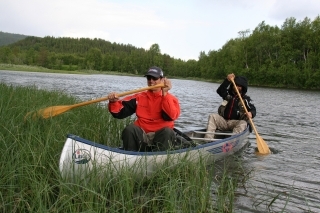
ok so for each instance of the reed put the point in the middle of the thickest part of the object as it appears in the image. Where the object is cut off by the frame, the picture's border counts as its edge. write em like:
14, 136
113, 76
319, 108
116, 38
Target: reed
29, 172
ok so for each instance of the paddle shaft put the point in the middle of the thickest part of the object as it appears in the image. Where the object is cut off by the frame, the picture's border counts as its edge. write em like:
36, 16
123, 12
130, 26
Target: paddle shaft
244, 106
118, 95
262, 145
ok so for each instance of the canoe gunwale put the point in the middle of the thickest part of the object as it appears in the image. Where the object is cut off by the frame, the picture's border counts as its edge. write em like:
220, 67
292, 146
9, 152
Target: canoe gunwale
120, 151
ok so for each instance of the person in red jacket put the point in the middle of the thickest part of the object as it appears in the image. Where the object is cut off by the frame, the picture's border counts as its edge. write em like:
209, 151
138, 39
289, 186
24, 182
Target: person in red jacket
156, 110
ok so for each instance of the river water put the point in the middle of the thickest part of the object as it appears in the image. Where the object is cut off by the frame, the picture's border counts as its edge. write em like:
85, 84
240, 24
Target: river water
288, 120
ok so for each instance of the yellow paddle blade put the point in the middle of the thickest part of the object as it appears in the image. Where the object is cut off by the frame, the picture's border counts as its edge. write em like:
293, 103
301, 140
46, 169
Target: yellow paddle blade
262, 146
48, 112
53, 111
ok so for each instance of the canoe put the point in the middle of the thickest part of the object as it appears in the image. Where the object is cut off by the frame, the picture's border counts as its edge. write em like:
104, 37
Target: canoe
80, 156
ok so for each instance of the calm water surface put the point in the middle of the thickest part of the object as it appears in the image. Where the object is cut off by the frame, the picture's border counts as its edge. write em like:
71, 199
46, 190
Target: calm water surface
288, 120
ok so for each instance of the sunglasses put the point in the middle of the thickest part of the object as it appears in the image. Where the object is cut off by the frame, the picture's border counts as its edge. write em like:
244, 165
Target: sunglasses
151, 77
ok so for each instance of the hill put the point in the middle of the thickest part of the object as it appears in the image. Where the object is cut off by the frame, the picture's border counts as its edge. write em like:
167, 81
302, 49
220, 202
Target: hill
9, 38
64, 53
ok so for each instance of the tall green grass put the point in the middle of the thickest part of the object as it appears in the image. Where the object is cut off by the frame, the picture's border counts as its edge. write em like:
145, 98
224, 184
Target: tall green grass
30, 180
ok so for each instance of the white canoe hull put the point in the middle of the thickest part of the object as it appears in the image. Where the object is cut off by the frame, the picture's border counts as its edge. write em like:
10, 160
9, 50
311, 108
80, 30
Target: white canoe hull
80, 156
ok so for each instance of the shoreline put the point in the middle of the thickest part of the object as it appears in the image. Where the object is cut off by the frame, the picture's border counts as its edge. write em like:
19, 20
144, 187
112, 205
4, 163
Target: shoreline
28, 68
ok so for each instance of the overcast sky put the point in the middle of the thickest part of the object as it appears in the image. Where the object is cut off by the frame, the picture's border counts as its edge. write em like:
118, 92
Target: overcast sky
182, 28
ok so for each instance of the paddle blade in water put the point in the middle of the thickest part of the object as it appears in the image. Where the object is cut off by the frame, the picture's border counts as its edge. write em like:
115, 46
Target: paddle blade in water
262, 145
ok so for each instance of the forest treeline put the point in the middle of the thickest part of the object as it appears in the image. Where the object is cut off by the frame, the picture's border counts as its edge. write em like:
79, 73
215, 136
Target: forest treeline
286, 56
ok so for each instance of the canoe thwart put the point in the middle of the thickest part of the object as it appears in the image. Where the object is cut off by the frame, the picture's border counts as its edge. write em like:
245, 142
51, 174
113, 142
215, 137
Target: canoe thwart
215, 133
204, 139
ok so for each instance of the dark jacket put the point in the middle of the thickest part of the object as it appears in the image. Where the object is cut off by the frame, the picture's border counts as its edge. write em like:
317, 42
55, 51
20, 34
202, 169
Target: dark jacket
234, 110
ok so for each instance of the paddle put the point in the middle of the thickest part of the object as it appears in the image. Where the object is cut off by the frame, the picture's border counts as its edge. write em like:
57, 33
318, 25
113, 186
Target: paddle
262, 145
56, 110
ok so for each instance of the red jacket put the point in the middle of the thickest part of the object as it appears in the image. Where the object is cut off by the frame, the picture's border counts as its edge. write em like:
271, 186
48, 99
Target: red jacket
153, 110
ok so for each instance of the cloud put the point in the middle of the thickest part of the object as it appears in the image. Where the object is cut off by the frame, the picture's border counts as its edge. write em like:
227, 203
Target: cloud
80, 14
283, 9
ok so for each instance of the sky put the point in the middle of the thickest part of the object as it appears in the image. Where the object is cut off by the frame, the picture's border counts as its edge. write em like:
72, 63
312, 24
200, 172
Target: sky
181, 28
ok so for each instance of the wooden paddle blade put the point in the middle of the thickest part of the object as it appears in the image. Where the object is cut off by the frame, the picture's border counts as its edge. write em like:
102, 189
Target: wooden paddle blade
262, 146
50, 111
55, 110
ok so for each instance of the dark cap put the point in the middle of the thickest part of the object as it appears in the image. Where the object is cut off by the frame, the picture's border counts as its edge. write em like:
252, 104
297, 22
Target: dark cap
155, 72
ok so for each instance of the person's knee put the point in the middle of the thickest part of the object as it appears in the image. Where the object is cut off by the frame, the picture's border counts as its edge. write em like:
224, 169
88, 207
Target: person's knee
129, 133
240, 127
213, 116
131, 137
164, 138
167, 131
243, 123
171, 135
129, 129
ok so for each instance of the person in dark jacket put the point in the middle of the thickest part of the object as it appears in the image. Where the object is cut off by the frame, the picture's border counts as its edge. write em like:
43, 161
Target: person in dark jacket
231, 114
156, 111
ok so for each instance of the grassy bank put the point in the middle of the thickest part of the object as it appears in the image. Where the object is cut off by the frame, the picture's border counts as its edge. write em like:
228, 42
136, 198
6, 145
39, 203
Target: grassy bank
29, 170
14, 67
27, 68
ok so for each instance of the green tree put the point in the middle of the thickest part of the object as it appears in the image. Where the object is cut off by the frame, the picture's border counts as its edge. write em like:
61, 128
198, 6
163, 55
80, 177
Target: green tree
94, 59
43, 57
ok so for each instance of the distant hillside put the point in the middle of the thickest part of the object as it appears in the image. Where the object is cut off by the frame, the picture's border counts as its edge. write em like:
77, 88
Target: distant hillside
9, 38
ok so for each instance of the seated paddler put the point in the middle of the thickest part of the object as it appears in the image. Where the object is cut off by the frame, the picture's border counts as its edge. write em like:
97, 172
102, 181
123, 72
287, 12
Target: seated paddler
156, 110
